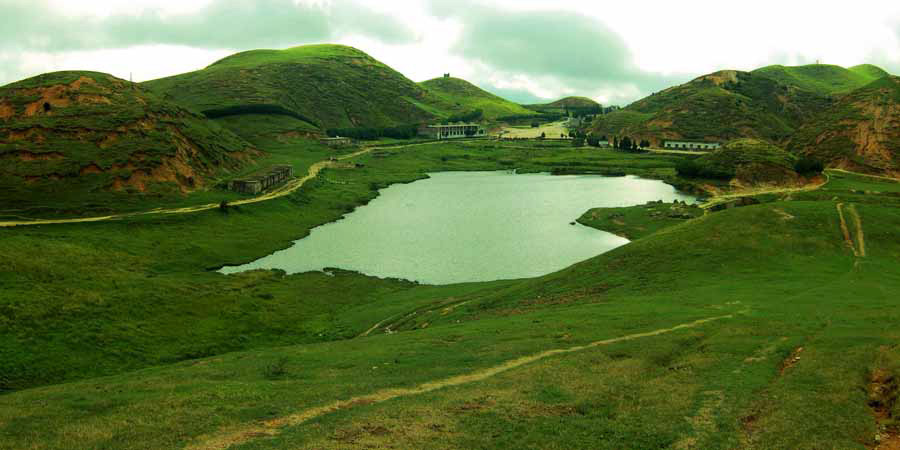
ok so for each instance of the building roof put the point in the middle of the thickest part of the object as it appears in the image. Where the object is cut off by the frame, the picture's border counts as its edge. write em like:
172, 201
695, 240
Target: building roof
455, 125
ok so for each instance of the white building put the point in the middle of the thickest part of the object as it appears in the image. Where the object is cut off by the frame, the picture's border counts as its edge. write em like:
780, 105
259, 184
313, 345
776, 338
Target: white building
455, 130
691, 145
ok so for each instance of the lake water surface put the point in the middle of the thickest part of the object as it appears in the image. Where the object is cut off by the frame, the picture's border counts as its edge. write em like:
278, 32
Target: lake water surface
459, 227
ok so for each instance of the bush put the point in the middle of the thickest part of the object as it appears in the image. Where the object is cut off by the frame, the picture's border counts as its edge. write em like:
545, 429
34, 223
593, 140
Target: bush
277, 369
578, 142
809, 166
470, 116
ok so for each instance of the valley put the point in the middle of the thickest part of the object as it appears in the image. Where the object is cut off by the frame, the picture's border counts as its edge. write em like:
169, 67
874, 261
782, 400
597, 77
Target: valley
553, 293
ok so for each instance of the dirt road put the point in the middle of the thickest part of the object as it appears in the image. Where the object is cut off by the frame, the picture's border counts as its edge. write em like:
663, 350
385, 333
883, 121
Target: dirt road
281, 191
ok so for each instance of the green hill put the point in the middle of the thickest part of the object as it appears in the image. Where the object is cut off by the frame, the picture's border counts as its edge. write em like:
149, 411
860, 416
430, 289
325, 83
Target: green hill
717, 107
460, 96
570, 102
322, 87
78, 140
860, 132
823, 79
745, 162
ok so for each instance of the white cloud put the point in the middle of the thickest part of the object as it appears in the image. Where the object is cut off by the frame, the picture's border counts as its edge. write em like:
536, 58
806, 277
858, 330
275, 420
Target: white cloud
665, 38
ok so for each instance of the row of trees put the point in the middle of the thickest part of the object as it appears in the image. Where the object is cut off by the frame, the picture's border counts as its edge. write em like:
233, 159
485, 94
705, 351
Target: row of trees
470, 116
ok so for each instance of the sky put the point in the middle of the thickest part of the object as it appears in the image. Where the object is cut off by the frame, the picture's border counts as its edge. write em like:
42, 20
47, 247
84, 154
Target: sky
525, 50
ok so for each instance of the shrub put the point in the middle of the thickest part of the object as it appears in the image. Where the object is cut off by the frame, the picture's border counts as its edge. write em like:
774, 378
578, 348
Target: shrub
277, 369
809, 166
688, 168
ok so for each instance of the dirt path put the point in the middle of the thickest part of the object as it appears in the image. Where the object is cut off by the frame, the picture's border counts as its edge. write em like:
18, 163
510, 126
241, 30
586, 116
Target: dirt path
239, 435
281, 191
724, 198
860, 237
848, 241
859, 246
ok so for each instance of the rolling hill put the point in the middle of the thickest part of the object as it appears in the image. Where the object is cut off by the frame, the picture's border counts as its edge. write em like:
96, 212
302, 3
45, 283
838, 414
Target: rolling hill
861, 132
717, 107
823, 79
320, 87
567, 102
75, 140
462, 96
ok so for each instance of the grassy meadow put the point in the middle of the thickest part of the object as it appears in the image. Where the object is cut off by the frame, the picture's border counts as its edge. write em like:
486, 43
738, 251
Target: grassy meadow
141, 345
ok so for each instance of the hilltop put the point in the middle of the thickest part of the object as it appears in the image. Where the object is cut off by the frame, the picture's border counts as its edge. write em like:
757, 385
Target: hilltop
74, 140
461, 96
860, 132
567, 102
823, 79
717, 107
770, 103
321, 87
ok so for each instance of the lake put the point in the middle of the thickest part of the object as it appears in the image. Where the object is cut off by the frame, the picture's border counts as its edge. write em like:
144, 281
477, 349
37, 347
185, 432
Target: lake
459, 227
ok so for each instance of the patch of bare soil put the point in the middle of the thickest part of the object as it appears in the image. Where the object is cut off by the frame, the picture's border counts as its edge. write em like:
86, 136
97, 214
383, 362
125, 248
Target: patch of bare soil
6, 111
31, 156
883, 391
790, 361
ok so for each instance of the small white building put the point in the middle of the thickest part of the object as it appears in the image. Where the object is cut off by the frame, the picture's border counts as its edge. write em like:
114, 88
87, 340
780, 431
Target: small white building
455, 131
691, 145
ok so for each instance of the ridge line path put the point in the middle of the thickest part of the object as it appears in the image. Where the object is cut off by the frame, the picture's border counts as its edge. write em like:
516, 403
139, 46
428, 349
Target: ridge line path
281, 191
242, 434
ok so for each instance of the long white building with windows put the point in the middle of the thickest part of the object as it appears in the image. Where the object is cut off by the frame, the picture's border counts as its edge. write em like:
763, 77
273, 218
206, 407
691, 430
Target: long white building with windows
455, 131
691, 145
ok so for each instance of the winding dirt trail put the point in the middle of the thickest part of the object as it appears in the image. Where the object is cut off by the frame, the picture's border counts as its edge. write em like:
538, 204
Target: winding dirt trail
242, 434
281, 191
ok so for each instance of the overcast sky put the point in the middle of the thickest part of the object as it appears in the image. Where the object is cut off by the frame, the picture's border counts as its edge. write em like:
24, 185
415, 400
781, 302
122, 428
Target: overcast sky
526, 50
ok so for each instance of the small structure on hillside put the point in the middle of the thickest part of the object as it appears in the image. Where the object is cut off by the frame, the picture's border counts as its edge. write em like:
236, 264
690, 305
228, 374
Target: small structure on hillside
453, 131
337, 141
262, 181
691, 145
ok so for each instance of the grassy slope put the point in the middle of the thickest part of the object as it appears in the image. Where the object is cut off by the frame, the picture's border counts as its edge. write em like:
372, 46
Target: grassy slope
103, 142
861, 131
722, 385
577, 102
468, 97
823, 79
322, 86
717, 107
328, 86
140, 282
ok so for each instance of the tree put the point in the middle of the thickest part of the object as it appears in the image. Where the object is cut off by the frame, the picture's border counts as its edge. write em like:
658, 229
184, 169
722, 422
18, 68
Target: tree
809, 166
615, 142
535, 124
543, 135
578, 142
571, 133
593, 141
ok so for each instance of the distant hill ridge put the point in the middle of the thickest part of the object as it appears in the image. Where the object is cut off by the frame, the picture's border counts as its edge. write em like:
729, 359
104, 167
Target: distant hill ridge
462, 94
571, 102
773, 104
